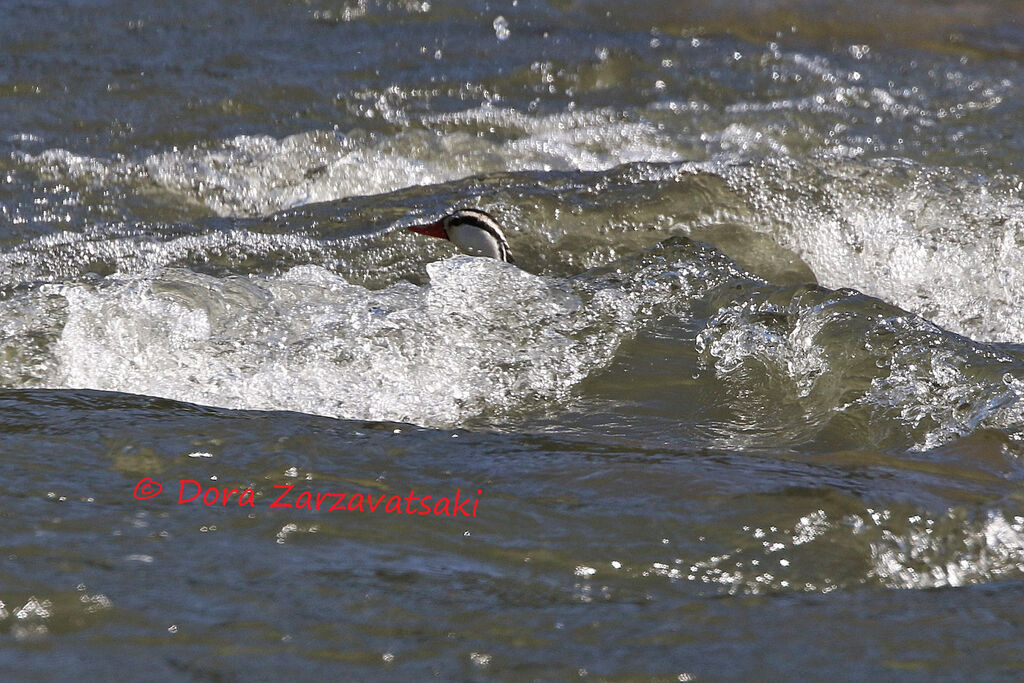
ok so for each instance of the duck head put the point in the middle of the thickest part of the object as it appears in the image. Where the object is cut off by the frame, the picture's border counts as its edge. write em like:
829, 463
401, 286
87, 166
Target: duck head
473, 231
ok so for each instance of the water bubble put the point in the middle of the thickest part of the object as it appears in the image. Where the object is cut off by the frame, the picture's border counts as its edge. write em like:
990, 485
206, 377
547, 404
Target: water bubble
501, 30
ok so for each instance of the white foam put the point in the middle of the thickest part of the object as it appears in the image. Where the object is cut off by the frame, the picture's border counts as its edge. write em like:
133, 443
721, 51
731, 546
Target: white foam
255, 175
927, 240
59, 256
483, 338
936, 386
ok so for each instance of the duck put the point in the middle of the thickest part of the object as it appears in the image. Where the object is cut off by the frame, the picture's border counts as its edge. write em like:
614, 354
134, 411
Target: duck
473, 231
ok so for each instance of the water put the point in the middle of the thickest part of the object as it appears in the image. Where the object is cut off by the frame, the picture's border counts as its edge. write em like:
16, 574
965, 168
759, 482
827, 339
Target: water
751, 406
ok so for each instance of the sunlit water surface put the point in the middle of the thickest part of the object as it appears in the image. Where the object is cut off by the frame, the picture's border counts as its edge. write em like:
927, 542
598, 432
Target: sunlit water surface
753, 405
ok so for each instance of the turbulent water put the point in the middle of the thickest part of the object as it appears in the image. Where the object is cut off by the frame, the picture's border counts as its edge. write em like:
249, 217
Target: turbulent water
750, 404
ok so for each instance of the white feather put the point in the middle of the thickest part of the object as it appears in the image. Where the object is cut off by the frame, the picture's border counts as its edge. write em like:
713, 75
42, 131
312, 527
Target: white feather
474, 241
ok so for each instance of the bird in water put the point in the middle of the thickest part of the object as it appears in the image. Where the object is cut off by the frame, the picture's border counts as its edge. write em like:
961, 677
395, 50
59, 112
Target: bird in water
473, 231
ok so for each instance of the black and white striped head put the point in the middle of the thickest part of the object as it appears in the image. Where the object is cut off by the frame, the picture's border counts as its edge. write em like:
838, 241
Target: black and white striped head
473, 231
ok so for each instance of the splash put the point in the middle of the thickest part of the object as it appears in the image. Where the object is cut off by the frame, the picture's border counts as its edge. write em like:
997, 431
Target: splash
482, 339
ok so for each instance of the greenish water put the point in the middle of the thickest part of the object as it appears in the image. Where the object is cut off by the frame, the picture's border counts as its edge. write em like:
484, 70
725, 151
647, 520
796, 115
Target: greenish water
750, 408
